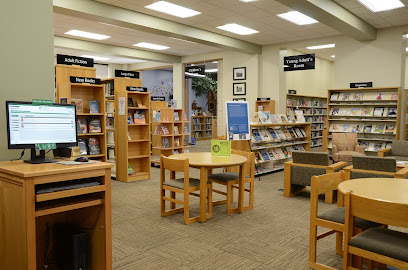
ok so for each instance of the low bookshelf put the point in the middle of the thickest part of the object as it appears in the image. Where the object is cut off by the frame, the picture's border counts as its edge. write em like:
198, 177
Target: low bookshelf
202, 127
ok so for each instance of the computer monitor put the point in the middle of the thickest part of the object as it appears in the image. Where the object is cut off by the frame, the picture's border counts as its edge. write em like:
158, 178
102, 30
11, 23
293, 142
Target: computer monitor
29, 124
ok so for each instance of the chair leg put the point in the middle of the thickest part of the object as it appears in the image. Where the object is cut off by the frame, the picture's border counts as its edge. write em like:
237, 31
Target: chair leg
339, 243
186, 207
229, 197
173, 196
251, 194
162, 202
312, 245
209, 199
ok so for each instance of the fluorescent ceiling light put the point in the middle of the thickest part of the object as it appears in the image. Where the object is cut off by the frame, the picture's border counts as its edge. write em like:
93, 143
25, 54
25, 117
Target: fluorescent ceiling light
406, 49
84, 34
211, 70
321, 46
98, 58
172, 9
151, 46
333, 56
297, 18
182, 40
237, 29
381, 5
247, 1
194, 74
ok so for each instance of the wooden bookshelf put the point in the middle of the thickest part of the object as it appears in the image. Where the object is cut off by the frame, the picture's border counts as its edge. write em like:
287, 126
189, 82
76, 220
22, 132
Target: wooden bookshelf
314, 109
405, 115
132, 145
267, 105
347, 112
202, 127
155, 140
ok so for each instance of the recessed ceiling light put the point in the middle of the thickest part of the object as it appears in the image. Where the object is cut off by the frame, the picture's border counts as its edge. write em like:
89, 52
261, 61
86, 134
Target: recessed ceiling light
211, 70
182, 40
381, 5
406, 49
321, 46
151, 46
333, 56
79, 33
237, 29
247, 1
297, 18
172, 9
98, 58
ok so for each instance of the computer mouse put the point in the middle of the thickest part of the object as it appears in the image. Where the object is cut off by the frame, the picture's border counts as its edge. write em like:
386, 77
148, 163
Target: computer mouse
81, 159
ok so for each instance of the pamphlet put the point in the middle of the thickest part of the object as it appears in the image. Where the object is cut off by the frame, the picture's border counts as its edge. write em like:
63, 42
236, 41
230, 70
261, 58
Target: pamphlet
221, 148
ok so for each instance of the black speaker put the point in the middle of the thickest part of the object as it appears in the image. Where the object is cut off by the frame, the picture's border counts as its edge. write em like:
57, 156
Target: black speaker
70, 247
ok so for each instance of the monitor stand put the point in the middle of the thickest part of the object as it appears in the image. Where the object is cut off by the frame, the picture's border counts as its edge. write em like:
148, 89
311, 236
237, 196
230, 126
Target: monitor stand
40, 158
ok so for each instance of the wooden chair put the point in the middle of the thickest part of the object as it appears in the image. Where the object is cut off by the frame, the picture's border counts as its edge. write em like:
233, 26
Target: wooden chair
331, 219
230, 179
376, 244
185, 186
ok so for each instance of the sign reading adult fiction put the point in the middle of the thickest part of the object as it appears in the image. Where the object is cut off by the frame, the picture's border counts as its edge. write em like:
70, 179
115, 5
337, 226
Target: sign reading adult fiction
237, 120
73, 79
361, 84
126, 74
74, 60
299, 62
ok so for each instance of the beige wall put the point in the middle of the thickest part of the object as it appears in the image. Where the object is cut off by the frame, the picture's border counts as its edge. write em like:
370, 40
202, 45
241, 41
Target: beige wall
27, 51
406, 72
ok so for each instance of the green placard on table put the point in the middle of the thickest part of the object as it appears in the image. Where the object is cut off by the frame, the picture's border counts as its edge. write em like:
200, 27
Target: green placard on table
41, 101
221, 148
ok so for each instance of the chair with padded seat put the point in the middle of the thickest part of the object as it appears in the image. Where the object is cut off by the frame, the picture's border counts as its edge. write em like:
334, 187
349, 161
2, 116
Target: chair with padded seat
379, 244
398, 150
304, 165
185, 186
333, 219
345, 146
230, 179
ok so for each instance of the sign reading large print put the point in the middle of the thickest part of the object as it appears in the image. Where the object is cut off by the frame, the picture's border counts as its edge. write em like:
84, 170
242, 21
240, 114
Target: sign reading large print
200, 70
74, 60
73, 79
126, 74
299, 62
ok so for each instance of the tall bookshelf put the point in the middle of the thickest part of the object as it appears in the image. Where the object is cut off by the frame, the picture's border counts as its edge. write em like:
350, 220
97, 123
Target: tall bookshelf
132, 145
155, 106
405, 115
372, 113
202, 127
314, 109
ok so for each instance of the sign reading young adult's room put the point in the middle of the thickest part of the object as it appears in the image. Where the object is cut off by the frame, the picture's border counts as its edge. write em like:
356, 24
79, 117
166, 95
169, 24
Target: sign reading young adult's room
73, 79
126, 74
74, 60
237, 120
299, 62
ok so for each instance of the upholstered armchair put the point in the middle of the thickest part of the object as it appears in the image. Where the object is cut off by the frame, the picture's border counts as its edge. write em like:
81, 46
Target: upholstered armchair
398, 150
299, 171
374, 167
345, 146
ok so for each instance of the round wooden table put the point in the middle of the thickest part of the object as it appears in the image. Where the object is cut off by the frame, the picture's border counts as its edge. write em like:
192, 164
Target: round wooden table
206, 162
392, 190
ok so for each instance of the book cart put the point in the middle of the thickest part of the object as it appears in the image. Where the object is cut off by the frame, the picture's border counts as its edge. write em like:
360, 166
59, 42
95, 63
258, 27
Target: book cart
372, 113
170, 132
111, 86
132, 134
314, 110
202, 127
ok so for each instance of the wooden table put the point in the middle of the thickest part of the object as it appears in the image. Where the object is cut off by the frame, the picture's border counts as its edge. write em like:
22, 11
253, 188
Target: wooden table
25, 215
206, 162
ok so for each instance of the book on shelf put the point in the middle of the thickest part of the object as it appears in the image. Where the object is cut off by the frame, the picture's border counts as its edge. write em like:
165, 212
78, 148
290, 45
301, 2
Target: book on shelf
389, 129
367, 128
379, 128
256, 135
265, 135
345, 97
94, 125
173, 103
357, 96
258, 158
354, 111
82, 126
298, 132
378, 111
380, 96
345, 128
176, 142
290, 150
343, 112
273, 134
335, 128
139, 117
299, 116
357, 128
110, 107
176, 152
378, 146
367, 112
274, 119
280, 134
260, 108
176, 116
291, 117
292, 133
335, 111
158, 130
110, 122
93, 146
130, 102
265, 155
270, 154
277, 152
300, 148
166, 143
388, 145
334, 96
262, 117
392, 111
130, 118
394, 96
130, 169
82, 146
287, 134
285, 153
110, 137
185, 129
282, 118
129, 138
366, 144
185, 143
176, 130
93, 106
79, 105
164, 129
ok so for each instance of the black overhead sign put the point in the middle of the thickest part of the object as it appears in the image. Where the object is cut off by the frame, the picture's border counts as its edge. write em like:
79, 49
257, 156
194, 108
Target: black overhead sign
157, 98
263, 98
128, 74
299, 62
139, 89
200, 70
84, 80
292, 91
361, 84
74, 60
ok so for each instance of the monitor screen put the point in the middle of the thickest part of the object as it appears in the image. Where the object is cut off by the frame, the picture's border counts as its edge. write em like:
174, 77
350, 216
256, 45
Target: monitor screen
29, 124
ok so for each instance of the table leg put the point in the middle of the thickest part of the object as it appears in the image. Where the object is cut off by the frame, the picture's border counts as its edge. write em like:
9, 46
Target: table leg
203, 193
241, 189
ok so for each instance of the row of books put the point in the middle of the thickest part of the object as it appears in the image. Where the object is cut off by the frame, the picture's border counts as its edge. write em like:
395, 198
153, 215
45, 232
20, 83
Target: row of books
272, 154
79, 105
317, 127
267, 118
306, 102
109, 89
177, 142
369, 111
92, 125
346, 96
277, 134
208, 121
135, 102
358, 128
89, 146
307, 111
270, 167
370, 145
139, 117
311, 119
316, 133
316, 142
110, 122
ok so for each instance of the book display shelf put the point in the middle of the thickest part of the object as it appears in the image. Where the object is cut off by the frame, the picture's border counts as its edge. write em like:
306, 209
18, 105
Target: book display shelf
314, 110
132, 145
111, 86
372, 113
265, 105
155, 106
170, 132
273, 144
202, 127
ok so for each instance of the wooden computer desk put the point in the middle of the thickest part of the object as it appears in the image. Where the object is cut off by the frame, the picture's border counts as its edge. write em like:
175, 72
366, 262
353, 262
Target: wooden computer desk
25, 216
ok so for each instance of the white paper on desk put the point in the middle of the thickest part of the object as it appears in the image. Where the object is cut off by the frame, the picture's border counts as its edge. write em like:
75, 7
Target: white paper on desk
122, 105
71, 162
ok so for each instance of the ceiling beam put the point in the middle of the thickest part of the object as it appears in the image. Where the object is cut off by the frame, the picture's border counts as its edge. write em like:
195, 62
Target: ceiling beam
100, 12
64, 42
335, 16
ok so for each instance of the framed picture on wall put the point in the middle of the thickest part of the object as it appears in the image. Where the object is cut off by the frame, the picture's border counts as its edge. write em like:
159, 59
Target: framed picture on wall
239, 73
239, 99
239, 89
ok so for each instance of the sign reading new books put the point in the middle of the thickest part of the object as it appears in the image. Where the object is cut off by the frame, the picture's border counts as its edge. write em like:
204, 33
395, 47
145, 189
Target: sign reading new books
237, 120
74, 60
74, 79
299, 62
126, 74
221, 148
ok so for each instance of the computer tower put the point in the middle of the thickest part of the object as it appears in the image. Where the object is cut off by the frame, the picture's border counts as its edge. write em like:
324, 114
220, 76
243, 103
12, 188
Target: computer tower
70, 247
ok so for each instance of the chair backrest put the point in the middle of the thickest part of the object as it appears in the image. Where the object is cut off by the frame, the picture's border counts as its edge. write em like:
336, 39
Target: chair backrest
174, 165
249, 168
374, 164
345, 141
399, 148
313, 158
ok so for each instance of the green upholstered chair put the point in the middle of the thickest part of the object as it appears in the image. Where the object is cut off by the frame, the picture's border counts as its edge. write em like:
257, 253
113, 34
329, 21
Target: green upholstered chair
299, 171
398, 150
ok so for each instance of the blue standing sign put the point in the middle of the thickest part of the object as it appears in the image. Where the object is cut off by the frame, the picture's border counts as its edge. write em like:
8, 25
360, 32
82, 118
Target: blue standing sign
237, 120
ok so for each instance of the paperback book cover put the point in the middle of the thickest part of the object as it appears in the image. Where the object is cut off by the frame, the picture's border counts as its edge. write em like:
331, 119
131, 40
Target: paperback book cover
298, 132
276, 154
367, 112
356, 128
380, 96
166, 143
130, 118
389, 129
165, 130
82, 146
357, 96
271, 156
345, 128
83, 127
110, 107
265, 155
388, 145
335, 111
394, 96
335, 127
176, 130
257, 136
258, 158
130, 169
280, 134
346, 96
176, 116
379, 128
287, 134
94, 125
367, 128
110, 122
378, 146
334, 96
285, 153
157, 117
265, 135
282, 118
93, 106
291, 117
354, 111
273, 134
93, 146
299, 116
176, 142
378, 111
292, 133
392, 112
79, 106
303, 132
140, 117
343, 112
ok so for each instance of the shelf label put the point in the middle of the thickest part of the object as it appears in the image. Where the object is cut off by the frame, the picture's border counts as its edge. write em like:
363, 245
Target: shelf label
126, 74
139, 89
361, 84
84, 80
157, 98
74, 60
45, 146
221, 148
299, 62
41, 101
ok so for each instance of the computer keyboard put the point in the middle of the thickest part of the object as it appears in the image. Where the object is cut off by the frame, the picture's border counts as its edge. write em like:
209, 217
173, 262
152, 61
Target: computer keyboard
66, 185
